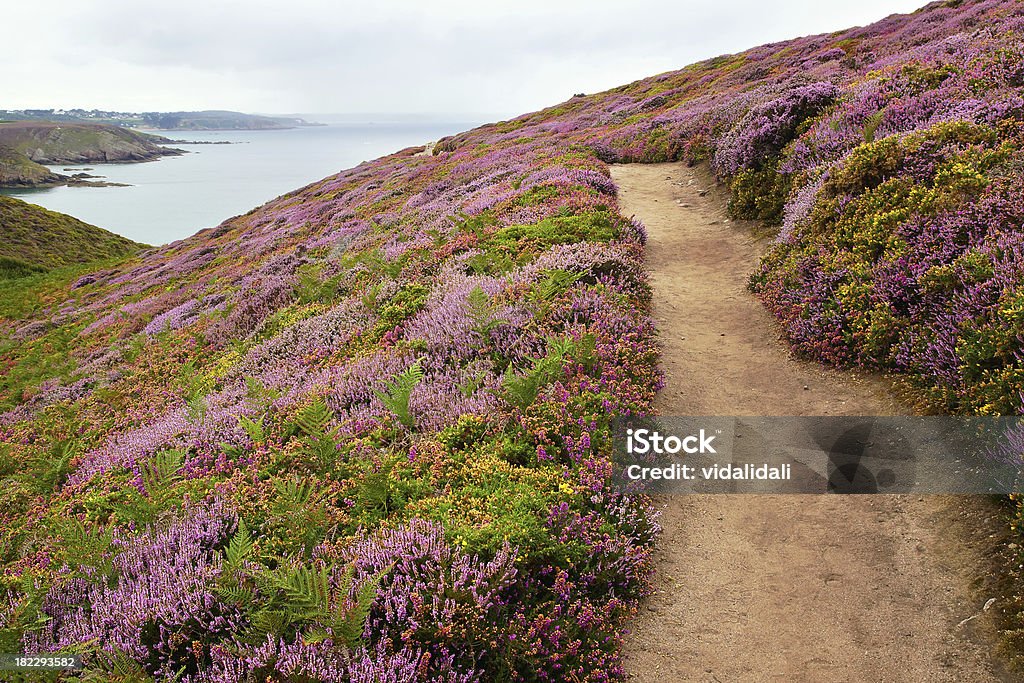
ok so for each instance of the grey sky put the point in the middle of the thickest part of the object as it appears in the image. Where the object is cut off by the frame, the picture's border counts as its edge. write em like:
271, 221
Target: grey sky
465, 56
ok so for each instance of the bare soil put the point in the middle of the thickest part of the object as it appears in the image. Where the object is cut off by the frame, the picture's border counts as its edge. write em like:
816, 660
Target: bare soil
784, 587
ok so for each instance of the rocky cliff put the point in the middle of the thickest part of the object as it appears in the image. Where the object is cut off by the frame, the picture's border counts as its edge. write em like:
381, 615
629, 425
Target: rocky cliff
17, 170
60, 143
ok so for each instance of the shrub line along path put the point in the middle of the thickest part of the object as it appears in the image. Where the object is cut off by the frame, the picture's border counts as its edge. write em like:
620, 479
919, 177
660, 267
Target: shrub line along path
781, 587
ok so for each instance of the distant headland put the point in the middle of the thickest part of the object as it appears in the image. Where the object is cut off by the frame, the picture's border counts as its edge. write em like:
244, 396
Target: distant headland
31, 139
179, 120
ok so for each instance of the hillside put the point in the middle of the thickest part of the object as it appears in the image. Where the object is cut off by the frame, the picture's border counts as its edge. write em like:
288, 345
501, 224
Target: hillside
42, 239
17, 170
72, 143
217, 120
364, 429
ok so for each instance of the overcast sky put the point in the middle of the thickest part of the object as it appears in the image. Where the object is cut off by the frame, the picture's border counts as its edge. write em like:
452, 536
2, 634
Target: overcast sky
458, 56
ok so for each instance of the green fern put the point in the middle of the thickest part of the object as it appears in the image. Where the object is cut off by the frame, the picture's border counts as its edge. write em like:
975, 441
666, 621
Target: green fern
348, 624
305, 589
233, 585
523, 390
313, 422
555, 283
309, 283
52, 467
490, 263
301, 600
194, 386
84, 546
314, 419
313, 288
255, 429
398, 391
234, 593
8, 463
294, 493
871, 125
24, 615
295, 507
240, 547
268, 621
196, 409
116, 667
161, 472
259, 394
159, 477
371, 296
482, 312
471, 385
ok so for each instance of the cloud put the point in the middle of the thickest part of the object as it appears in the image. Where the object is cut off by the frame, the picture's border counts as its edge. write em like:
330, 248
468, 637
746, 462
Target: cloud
318, 55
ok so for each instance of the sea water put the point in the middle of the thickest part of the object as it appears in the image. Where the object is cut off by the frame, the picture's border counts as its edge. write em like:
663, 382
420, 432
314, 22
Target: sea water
173, 197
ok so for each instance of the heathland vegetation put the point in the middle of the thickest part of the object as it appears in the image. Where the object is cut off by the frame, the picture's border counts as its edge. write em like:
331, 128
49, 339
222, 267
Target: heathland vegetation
362, 432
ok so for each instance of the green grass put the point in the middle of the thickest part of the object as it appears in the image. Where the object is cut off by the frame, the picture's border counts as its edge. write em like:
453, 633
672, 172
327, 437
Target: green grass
35, 239
27, 363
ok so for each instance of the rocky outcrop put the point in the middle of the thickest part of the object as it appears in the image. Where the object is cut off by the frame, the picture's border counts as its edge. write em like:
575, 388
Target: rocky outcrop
17, 170
61, 143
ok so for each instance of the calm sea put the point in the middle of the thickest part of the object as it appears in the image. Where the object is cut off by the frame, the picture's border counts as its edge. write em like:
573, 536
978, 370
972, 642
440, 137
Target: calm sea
174, 197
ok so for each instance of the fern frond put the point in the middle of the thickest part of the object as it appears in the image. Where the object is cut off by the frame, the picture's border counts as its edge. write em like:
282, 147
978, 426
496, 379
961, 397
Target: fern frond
398, 391
253, 428
115, 667
483, 312
239, 595
314, 419
196, 409
240, 547
871, 125
556, 282
258, 393
294, 492
523, 390
471, 385
348, 624
161, 471
52, 466
304, 588
267, 621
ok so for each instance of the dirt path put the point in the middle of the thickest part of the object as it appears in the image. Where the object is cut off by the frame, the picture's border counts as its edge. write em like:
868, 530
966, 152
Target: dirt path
782, 588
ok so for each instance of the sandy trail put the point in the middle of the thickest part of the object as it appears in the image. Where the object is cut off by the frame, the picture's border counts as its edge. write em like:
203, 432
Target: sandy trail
783, 588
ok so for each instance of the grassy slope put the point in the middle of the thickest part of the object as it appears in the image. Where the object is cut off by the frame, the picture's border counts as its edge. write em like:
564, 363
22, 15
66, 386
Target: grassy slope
37, 238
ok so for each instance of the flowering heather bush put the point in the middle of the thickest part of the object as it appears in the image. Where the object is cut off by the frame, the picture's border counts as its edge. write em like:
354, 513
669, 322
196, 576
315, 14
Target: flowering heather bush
362, 432
767, 128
